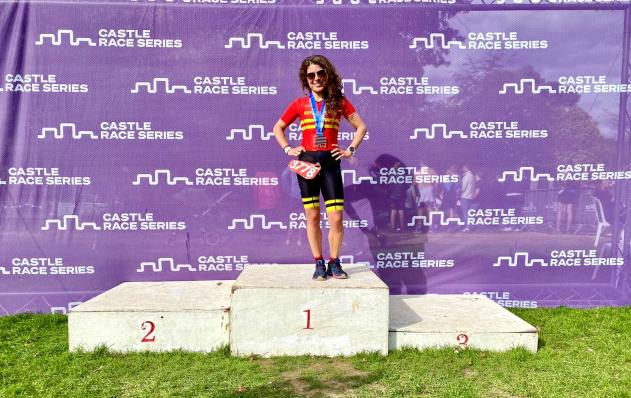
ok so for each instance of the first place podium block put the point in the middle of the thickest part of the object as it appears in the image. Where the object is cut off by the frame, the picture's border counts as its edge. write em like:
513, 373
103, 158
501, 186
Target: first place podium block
280, 310
154, 316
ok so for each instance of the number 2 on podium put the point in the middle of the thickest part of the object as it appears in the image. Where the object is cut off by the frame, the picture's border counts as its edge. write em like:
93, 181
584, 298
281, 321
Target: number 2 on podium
152, 327
462, 339
308, 319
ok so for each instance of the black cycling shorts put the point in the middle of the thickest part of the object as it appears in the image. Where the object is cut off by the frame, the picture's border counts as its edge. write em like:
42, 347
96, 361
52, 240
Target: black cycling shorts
328, 180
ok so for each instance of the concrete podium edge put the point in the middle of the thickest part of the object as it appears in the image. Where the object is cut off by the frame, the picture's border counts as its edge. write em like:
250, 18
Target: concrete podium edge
225, 299
306, 281
527, 341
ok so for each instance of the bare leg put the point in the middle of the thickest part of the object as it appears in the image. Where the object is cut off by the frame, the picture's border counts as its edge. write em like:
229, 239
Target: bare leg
560, 210
393, 217
336, 232
570, 216
314, 233
401, 218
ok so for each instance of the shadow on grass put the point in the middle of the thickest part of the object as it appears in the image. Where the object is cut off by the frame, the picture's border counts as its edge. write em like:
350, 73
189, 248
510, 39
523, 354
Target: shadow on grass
313, 377
325, 378
294, 383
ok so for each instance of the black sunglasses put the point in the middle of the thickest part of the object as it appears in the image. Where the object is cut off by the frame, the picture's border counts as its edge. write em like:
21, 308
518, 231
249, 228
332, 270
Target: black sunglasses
321, 73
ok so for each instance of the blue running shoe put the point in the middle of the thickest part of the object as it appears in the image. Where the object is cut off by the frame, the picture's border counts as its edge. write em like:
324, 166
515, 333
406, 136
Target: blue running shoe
335, 270
320, 271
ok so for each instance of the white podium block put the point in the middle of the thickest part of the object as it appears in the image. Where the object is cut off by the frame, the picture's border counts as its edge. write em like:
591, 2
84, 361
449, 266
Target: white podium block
280, 310
154, 316
430, 321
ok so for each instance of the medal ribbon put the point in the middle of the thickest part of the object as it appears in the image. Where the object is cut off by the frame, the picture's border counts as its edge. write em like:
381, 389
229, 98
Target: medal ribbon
319, 117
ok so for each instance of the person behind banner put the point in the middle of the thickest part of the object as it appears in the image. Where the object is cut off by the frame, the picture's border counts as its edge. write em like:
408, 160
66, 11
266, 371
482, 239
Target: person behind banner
320, 112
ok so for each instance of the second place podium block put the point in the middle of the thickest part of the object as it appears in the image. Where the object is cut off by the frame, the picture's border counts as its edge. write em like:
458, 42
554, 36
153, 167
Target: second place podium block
154, 316
279, 310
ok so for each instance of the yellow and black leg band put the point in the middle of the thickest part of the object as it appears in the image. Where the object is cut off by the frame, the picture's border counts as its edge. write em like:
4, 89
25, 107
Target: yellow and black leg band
311, 202
334, 205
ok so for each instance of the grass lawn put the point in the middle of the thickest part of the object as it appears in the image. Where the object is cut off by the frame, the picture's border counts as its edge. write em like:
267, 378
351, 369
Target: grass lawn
582, 353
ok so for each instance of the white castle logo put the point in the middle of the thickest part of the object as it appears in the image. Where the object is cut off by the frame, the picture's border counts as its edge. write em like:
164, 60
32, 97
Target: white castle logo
248, 134
356, 180
429, 220
249, 224
247, 41
357, 90
430, 133
64, 310
154, 179
69, 128
513, 260
350, 259
56, 39
64, 223
440, 37
152, 86
157, 266
518, 88
519, 174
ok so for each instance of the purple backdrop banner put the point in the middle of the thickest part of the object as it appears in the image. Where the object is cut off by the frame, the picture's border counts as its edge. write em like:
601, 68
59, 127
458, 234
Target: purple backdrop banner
137, 145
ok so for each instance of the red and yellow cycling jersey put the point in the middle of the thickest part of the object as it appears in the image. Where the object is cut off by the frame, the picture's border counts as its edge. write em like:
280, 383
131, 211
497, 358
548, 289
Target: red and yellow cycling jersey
301, 109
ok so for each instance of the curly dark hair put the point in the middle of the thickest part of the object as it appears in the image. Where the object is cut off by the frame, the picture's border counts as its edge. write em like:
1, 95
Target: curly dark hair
333, 90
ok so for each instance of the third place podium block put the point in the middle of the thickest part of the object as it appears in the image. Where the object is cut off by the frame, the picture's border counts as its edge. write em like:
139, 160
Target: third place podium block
154, 316
280, 310
442, 320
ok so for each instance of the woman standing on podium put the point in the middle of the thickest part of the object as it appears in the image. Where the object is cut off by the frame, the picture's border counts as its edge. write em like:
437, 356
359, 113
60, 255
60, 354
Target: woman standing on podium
320, 112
